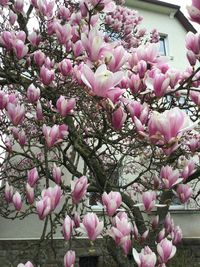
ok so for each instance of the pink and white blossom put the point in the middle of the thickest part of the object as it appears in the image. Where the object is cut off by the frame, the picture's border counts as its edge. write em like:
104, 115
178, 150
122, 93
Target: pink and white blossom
79, 189
111, 201
166, 250
146, 258
69, 259
91, 226
102, 80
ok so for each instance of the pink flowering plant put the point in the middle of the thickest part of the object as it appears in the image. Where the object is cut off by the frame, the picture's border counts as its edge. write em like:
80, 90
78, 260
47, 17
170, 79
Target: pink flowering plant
87, 106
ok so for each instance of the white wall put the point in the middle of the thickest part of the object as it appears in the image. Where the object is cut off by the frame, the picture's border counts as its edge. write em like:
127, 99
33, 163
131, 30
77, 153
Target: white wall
163, 20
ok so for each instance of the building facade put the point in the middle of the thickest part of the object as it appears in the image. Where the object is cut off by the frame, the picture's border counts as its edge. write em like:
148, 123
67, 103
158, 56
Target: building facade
17, 235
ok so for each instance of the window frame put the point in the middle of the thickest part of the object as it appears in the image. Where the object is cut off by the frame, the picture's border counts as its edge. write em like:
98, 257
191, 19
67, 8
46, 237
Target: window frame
164, 40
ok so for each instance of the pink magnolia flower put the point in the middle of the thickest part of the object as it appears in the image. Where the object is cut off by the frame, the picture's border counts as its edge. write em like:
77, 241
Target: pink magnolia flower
78, 48
193, 42
15, 132
146, 258
194, 11
195, 97
76, 219
8, 144
63, 131
56, 174
20, 48
28, 264
161, 235
22, 138
32, 177
142, 68
65, 67
135, 83
69, 259
108, 5
112, 202
192, 58
149, 199
174, 77
64, 106
77, 72
17, 201
67, 228
15, 113
188, 170
102, 80
3, 3
176, 235
46, 7
39, 58
102, 5
12, 99
6, 40
166, 127
136, 109
169, 177
48, 63
39, 113
121, 215
184, 192
46, 75
54, 194
8, 192
165, 250
3, 100
135, 231
114, 95
193, 144
64, 13
79, 189
120, 229
30, 194
148, 53
144, 236
118, 118
63, 33
116, 58
94, 44
55, 134
160, 84
126, 244
21, 35
34, 38
33, 93
19, 5
168, 223
43, 207
91, 226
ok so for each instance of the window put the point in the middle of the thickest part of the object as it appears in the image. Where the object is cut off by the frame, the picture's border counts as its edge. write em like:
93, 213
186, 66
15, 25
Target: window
176, 204
88, 261
163, 46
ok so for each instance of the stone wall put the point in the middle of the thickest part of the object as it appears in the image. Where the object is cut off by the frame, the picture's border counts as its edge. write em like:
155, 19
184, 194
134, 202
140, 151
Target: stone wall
47, 254
89, 254
188, 254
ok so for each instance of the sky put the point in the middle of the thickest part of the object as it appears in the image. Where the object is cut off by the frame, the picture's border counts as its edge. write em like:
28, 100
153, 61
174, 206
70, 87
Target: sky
183, 4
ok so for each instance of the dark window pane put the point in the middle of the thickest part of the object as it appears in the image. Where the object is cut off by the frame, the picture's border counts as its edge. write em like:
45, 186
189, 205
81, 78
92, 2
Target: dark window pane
88, 261
94, 198
162, 48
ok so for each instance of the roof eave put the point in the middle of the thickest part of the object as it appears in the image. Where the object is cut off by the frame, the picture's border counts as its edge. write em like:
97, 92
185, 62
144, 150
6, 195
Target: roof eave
185, 22
160, 3
178, 14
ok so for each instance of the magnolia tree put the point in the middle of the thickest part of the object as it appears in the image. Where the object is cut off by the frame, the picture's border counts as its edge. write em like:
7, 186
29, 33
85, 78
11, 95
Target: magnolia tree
85, 98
